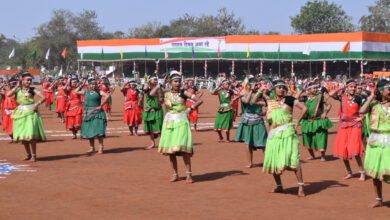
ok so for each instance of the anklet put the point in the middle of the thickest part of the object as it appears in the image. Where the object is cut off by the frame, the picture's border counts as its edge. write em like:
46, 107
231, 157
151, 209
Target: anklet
301, 184
279, 185
379, 199
188, 172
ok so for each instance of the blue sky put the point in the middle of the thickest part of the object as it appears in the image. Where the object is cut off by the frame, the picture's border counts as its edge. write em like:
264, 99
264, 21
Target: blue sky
19, 18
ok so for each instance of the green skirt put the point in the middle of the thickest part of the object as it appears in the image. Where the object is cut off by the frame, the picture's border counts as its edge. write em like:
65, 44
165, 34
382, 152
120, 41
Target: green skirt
93, 125
224, 120
153, 121
366, 125
176, 136
315, 133
377, 160
254, 135
27, 126
282, 150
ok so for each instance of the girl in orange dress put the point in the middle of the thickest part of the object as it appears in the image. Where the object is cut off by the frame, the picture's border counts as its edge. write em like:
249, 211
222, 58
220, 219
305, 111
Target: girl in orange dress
9, 105
61, 100
105, 88
74, 108
132, 109
193, 115
348, 142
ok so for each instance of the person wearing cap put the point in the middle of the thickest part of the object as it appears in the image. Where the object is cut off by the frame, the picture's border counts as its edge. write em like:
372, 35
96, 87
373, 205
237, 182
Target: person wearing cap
176, 136
282, 151
315, 123
132, 116
225, 113
61, 99
348, 142
9, 104
377, 160
94, 118
27, 122
152, 114
193, 90
251, 128
74, 107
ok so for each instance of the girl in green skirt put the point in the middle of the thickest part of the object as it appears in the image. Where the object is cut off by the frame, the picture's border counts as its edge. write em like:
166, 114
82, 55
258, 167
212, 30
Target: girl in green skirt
94, 118
283, 144
27, 125
251, 128
225, 114
152, 114
315, 123
176, 136
377, 161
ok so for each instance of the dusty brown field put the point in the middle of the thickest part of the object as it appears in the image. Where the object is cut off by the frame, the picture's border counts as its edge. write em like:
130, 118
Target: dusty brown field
128, 182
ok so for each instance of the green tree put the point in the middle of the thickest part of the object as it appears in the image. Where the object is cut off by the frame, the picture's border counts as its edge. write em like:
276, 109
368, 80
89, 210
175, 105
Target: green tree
224, 23
379, 18
62, 31
321, 17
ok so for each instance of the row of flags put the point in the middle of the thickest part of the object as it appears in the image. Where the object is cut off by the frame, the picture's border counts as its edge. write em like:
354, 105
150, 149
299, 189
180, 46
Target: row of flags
34, 54
306, 51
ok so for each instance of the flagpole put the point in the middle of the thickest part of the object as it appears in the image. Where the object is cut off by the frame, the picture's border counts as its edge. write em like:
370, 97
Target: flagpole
349, 64
193, 69
218, 66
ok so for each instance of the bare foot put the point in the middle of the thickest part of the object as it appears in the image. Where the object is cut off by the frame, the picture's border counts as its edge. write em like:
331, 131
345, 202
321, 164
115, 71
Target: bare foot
301, 192
91, 151
28, 157
131, 134
378, 203
100, 151
310, 158
278, 189
189, 179
174, 178
221, 141
323, 159
33, 159
362, 177
74, 137
150, 147
348, 176
249, 166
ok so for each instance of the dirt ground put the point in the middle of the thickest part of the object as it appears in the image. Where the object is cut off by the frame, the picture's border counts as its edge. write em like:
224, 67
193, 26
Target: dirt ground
128, 182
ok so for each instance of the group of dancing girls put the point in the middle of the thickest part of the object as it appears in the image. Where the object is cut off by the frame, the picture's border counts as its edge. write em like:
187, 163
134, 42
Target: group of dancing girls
260, 100
280, 142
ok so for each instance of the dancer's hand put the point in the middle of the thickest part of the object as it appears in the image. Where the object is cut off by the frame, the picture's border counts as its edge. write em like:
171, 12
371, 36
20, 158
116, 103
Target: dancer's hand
323, 115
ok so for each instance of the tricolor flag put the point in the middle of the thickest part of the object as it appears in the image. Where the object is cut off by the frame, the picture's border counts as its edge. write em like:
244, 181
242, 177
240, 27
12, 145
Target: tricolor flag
47, 54
12, 54
346, 48
64, 53
34, 55
248, 53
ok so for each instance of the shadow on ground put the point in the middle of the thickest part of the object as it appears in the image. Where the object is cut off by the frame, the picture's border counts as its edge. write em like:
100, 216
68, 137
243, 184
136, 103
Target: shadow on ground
217, 175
